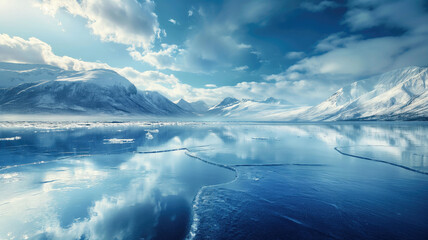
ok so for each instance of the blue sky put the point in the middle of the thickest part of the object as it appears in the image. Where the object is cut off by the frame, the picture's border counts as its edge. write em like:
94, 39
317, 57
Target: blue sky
300, 51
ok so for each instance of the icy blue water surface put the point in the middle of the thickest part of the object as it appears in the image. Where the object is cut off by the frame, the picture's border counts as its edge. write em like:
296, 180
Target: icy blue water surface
213, 181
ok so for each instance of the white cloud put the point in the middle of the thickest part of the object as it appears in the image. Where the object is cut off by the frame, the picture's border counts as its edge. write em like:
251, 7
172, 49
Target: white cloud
128, 22
162, 59
367, 57
335, 41
313, 7
167, 85
215, 44
190, 13
409, 15
349, 58
173, 21
204, 52
241, 68
210, 85
19, 50
242, 45
295, 55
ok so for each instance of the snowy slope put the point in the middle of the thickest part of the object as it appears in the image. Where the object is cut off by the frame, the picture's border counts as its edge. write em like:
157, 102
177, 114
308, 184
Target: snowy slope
185, 105
13, 74
397, 95
199, 106
248, 109
193, 107
46, 89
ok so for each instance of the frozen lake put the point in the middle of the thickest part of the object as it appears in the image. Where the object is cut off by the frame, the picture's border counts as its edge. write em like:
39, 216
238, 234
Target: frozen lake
154, 180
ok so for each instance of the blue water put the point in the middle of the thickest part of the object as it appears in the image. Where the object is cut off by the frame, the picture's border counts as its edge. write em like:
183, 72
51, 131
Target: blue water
214, 181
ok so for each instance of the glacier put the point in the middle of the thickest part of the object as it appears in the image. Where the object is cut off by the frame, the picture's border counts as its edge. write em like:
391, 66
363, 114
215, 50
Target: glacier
205, 180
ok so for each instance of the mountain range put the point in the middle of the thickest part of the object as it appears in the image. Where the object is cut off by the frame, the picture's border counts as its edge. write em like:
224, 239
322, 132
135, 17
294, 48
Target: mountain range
397, 95
29, 89
198, 107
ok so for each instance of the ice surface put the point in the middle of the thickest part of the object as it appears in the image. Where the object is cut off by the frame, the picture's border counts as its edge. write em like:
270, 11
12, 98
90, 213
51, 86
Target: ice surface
212, 180
414, 158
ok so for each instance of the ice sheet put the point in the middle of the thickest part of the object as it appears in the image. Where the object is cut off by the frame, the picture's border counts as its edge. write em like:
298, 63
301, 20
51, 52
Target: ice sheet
221, 180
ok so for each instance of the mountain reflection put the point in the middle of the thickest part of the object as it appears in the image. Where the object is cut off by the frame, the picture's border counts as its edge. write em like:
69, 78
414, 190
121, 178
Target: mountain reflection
73, 184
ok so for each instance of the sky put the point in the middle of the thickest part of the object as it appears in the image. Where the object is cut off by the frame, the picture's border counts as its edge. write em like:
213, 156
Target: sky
298, 51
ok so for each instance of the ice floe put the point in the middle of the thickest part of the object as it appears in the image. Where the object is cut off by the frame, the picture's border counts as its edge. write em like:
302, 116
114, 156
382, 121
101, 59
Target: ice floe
10, 139
118, 140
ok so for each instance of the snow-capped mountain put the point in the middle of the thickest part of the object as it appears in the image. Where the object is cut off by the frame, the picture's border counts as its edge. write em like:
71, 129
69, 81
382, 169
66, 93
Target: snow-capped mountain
224, 106
26, 88
397, 95
276, 101
194, 107
249, 109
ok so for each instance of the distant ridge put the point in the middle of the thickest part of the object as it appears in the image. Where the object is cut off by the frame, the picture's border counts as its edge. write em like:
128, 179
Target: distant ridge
194, 107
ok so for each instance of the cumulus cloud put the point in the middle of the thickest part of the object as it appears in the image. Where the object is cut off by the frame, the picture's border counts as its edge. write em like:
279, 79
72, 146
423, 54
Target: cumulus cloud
367, 57
167, 85
318, 7
351, 57
203, 53
165, 58
216, 43
33, 50
190, 13
128, 22
173, 21
284, 88
403, 14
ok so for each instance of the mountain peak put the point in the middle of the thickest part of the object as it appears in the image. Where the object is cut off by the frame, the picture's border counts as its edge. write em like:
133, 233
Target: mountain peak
185, 105
101, 77
276, 101
181, 101
398, 94
195, 107
228, 101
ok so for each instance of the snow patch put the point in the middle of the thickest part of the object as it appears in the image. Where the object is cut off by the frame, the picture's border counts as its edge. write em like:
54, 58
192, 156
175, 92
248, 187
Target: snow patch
149, 136
10, 139
153, 131
118, 140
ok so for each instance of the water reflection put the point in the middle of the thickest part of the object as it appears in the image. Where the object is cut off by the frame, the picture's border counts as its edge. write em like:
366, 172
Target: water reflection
100, 182
76, 191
